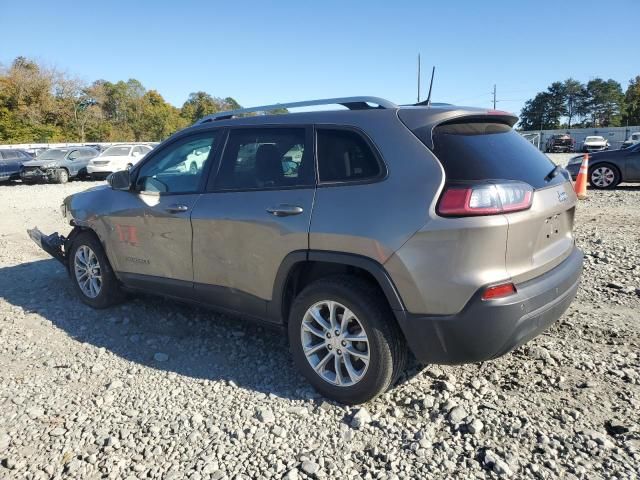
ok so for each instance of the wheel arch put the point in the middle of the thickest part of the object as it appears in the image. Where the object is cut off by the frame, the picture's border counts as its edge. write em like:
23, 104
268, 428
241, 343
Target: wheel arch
300, 268
80, 227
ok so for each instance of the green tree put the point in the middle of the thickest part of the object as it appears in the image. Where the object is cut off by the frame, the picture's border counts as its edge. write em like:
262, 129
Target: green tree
632, 103
541, 113
231, 104
574, 100
28, 108
159, 119
198, 105
604, 103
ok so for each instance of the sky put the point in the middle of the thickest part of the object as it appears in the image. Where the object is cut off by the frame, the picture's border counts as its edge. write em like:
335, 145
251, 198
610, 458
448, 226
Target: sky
278, 51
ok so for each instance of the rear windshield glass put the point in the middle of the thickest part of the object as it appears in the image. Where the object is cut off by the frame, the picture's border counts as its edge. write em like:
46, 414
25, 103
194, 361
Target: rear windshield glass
490, 151
116, 151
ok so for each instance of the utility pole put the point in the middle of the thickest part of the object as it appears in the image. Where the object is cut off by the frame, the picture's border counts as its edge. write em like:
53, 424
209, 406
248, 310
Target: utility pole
418, 78
494, 96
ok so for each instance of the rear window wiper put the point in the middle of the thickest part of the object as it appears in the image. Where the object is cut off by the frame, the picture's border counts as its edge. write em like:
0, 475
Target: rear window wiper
553, 173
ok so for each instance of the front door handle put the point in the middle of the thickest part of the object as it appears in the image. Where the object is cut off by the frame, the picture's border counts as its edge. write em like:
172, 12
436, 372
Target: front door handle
177, 208
285, 210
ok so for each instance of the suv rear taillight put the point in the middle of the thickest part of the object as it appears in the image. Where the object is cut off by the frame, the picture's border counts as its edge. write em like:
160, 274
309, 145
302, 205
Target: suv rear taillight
485, 199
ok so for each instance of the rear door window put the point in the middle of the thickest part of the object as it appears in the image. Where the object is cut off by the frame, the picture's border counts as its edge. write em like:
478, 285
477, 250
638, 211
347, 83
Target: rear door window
345, 156
263, 158
472, 151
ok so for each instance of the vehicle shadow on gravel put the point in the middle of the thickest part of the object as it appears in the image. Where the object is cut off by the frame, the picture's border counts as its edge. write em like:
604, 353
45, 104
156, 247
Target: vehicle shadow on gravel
159, 333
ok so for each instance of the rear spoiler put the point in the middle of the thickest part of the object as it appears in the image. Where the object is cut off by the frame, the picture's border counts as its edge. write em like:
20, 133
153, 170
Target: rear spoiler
422, 121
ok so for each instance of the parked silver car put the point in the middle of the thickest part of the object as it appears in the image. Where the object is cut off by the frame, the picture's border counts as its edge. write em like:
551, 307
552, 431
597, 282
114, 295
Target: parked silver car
365, 233
58, 165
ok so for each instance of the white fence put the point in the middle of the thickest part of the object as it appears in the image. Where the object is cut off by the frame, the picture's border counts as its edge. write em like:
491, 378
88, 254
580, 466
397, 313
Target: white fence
28, 146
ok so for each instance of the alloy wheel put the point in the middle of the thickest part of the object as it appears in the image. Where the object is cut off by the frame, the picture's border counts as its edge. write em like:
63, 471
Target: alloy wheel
335, 343
603, 176
88, 272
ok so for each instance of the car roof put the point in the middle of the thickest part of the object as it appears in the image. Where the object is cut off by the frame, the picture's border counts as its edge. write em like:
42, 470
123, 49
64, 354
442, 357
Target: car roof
414, 116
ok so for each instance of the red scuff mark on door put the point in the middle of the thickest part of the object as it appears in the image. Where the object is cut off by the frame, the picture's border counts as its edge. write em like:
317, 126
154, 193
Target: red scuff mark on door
128, 234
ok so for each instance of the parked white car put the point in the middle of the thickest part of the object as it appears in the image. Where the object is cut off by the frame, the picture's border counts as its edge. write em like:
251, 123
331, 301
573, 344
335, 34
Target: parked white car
595, 143
194, 161
632, 140
115, 158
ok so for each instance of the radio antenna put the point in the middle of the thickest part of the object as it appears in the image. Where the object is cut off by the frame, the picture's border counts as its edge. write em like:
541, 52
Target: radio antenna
433, 73
427, 102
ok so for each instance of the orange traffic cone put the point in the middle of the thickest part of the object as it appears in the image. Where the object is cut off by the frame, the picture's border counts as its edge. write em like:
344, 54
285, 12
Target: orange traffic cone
581, 181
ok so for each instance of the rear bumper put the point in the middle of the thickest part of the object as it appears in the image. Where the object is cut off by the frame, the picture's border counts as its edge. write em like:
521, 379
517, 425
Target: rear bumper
484, 330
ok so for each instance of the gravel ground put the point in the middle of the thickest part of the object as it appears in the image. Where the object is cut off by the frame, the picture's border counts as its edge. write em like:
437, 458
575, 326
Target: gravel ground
152, 389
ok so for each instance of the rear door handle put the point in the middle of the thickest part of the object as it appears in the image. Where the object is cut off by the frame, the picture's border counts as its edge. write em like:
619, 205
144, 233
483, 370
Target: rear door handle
177, 208
285, 210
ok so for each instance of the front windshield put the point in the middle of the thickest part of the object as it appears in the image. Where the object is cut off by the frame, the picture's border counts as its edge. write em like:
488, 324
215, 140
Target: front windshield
116, 151
53, 154
595, 139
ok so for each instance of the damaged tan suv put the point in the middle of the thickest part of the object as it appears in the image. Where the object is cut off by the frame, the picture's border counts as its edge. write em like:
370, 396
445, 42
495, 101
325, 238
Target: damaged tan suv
366, 233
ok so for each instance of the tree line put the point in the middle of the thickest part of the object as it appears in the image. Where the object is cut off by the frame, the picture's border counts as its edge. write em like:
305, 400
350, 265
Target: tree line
42, 105
572, 104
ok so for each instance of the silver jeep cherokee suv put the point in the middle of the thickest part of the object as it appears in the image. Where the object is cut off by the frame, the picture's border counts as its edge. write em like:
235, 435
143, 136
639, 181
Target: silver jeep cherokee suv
366, 233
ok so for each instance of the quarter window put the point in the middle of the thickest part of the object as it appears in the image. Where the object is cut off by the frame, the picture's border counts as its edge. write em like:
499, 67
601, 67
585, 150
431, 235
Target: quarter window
259, 158
344, 155
179, 167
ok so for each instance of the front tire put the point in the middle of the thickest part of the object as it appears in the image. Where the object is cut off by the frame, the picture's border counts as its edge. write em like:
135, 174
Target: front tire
604, 176
91, 274
62, 176
345, 340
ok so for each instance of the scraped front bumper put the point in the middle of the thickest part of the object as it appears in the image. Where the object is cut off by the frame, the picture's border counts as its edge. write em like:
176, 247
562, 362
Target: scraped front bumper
53, 244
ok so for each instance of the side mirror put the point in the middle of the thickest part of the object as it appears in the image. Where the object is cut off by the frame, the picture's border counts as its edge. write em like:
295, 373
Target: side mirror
120, 180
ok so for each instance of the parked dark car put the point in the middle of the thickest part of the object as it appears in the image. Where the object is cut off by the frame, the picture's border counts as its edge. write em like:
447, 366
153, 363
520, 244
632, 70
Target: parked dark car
607, 169
58, 165
11, 160
560, 143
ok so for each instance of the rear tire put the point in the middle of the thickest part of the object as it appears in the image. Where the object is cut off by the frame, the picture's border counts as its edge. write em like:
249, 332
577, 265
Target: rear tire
369, 318
604, 176
99, 287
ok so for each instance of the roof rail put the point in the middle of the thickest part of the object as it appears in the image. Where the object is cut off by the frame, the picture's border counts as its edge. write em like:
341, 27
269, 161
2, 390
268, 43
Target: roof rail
352, 103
